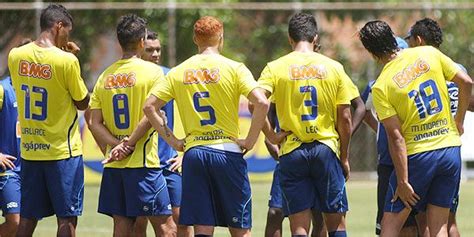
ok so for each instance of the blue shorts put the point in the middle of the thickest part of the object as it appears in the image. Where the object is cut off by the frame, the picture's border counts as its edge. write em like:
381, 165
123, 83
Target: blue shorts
434, 176
312, 178
134, 192
10, 193
52, 187
216, 189
174, 184
276, 196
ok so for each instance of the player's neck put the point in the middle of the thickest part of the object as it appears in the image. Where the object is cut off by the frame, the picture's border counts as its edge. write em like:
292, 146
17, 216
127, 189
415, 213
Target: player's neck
303, 47
388, 58
133, 54
45, 40
209, 50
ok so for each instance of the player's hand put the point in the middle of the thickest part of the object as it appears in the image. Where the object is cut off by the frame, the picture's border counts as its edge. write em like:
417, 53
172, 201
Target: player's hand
406, 194
178, 144
279, 137
175, 163
243, 144
460, 127
346, 168
272, 149
6, 161
71, 47
119, 152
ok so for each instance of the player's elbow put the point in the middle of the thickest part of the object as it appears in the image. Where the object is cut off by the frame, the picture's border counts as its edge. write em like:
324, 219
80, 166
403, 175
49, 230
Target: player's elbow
261, 104
83, 104
148, 109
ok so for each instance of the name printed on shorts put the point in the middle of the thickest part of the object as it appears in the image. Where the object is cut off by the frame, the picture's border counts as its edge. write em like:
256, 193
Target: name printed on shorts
201, 76
120, 80
35, 70
304, 72
411, 72
429, 130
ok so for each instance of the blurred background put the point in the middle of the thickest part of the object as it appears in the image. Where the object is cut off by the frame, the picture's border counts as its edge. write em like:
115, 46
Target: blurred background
255, 33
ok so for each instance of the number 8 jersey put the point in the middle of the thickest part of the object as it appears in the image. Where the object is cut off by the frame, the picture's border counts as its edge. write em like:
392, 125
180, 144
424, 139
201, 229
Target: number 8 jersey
207, 90
46, 81
413, 87
306, 89
120, 92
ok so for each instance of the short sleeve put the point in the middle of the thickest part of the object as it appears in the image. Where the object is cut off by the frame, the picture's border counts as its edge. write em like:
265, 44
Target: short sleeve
163, 89
449, 67
2, 95
74, 82
382, 105
95, 102
345, 91
266, 80
246, 80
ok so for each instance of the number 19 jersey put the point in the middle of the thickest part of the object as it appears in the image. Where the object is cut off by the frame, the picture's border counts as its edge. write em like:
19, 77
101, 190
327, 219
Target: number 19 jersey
207, 90
307, 88
121, 92
413, 87
46, 82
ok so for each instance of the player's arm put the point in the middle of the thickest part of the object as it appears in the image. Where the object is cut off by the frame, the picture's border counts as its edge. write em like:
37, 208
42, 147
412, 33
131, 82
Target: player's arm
398, 152
471, 104
464, 83
87, 117
272, 118
260, 105
359, 113
344, 129
99, 131
370, 120
83, 104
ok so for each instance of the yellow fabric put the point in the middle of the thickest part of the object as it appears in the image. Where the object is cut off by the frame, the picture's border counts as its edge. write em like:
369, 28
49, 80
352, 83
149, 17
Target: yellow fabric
407, 88
50, 79
2, 95
292, 79
121, 92
207, 90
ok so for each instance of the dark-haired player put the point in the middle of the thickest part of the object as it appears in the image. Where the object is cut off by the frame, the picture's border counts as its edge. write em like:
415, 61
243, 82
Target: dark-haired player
411, 99
206, 89
169, 160
134, 186
49, 90
428, 32
311, 95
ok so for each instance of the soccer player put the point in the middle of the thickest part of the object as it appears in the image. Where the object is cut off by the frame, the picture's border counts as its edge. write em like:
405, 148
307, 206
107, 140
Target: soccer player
312, 100
411, 99
207, 89
170, 162
428, 32
134, 186
49, 90
385, 165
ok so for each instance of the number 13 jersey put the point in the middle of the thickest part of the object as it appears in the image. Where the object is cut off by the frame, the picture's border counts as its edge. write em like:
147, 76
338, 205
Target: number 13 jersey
413, 87
46, 81
207, 90
121, 92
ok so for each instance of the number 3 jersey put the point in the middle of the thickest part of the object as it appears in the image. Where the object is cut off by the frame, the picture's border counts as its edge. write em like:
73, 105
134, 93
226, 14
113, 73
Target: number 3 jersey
207, 90
121, 92
413, 87
46, 81
307, 88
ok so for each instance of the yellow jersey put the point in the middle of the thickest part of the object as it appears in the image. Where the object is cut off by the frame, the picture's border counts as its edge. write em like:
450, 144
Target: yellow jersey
121, 92
413, 87
207, 90
47, 81
307, 88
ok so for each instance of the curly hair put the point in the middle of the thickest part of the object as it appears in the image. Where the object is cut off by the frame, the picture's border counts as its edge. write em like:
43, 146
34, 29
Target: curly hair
429, 30
378, 38
303, 27
208, 30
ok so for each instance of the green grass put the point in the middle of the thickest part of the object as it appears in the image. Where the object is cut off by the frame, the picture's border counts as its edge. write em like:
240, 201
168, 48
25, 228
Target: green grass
360, 217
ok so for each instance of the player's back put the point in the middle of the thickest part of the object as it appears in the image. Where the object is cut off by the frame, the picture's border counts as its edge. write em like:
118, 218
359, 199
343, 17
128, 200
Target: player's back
46, 81
120, 92
307, 87
207, 91
413, 87
9, 126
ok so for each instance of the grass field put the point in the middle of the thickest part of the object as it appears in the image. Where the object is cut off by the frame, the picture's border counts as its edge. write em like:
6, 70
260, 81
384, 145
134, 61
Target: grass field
360, 217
